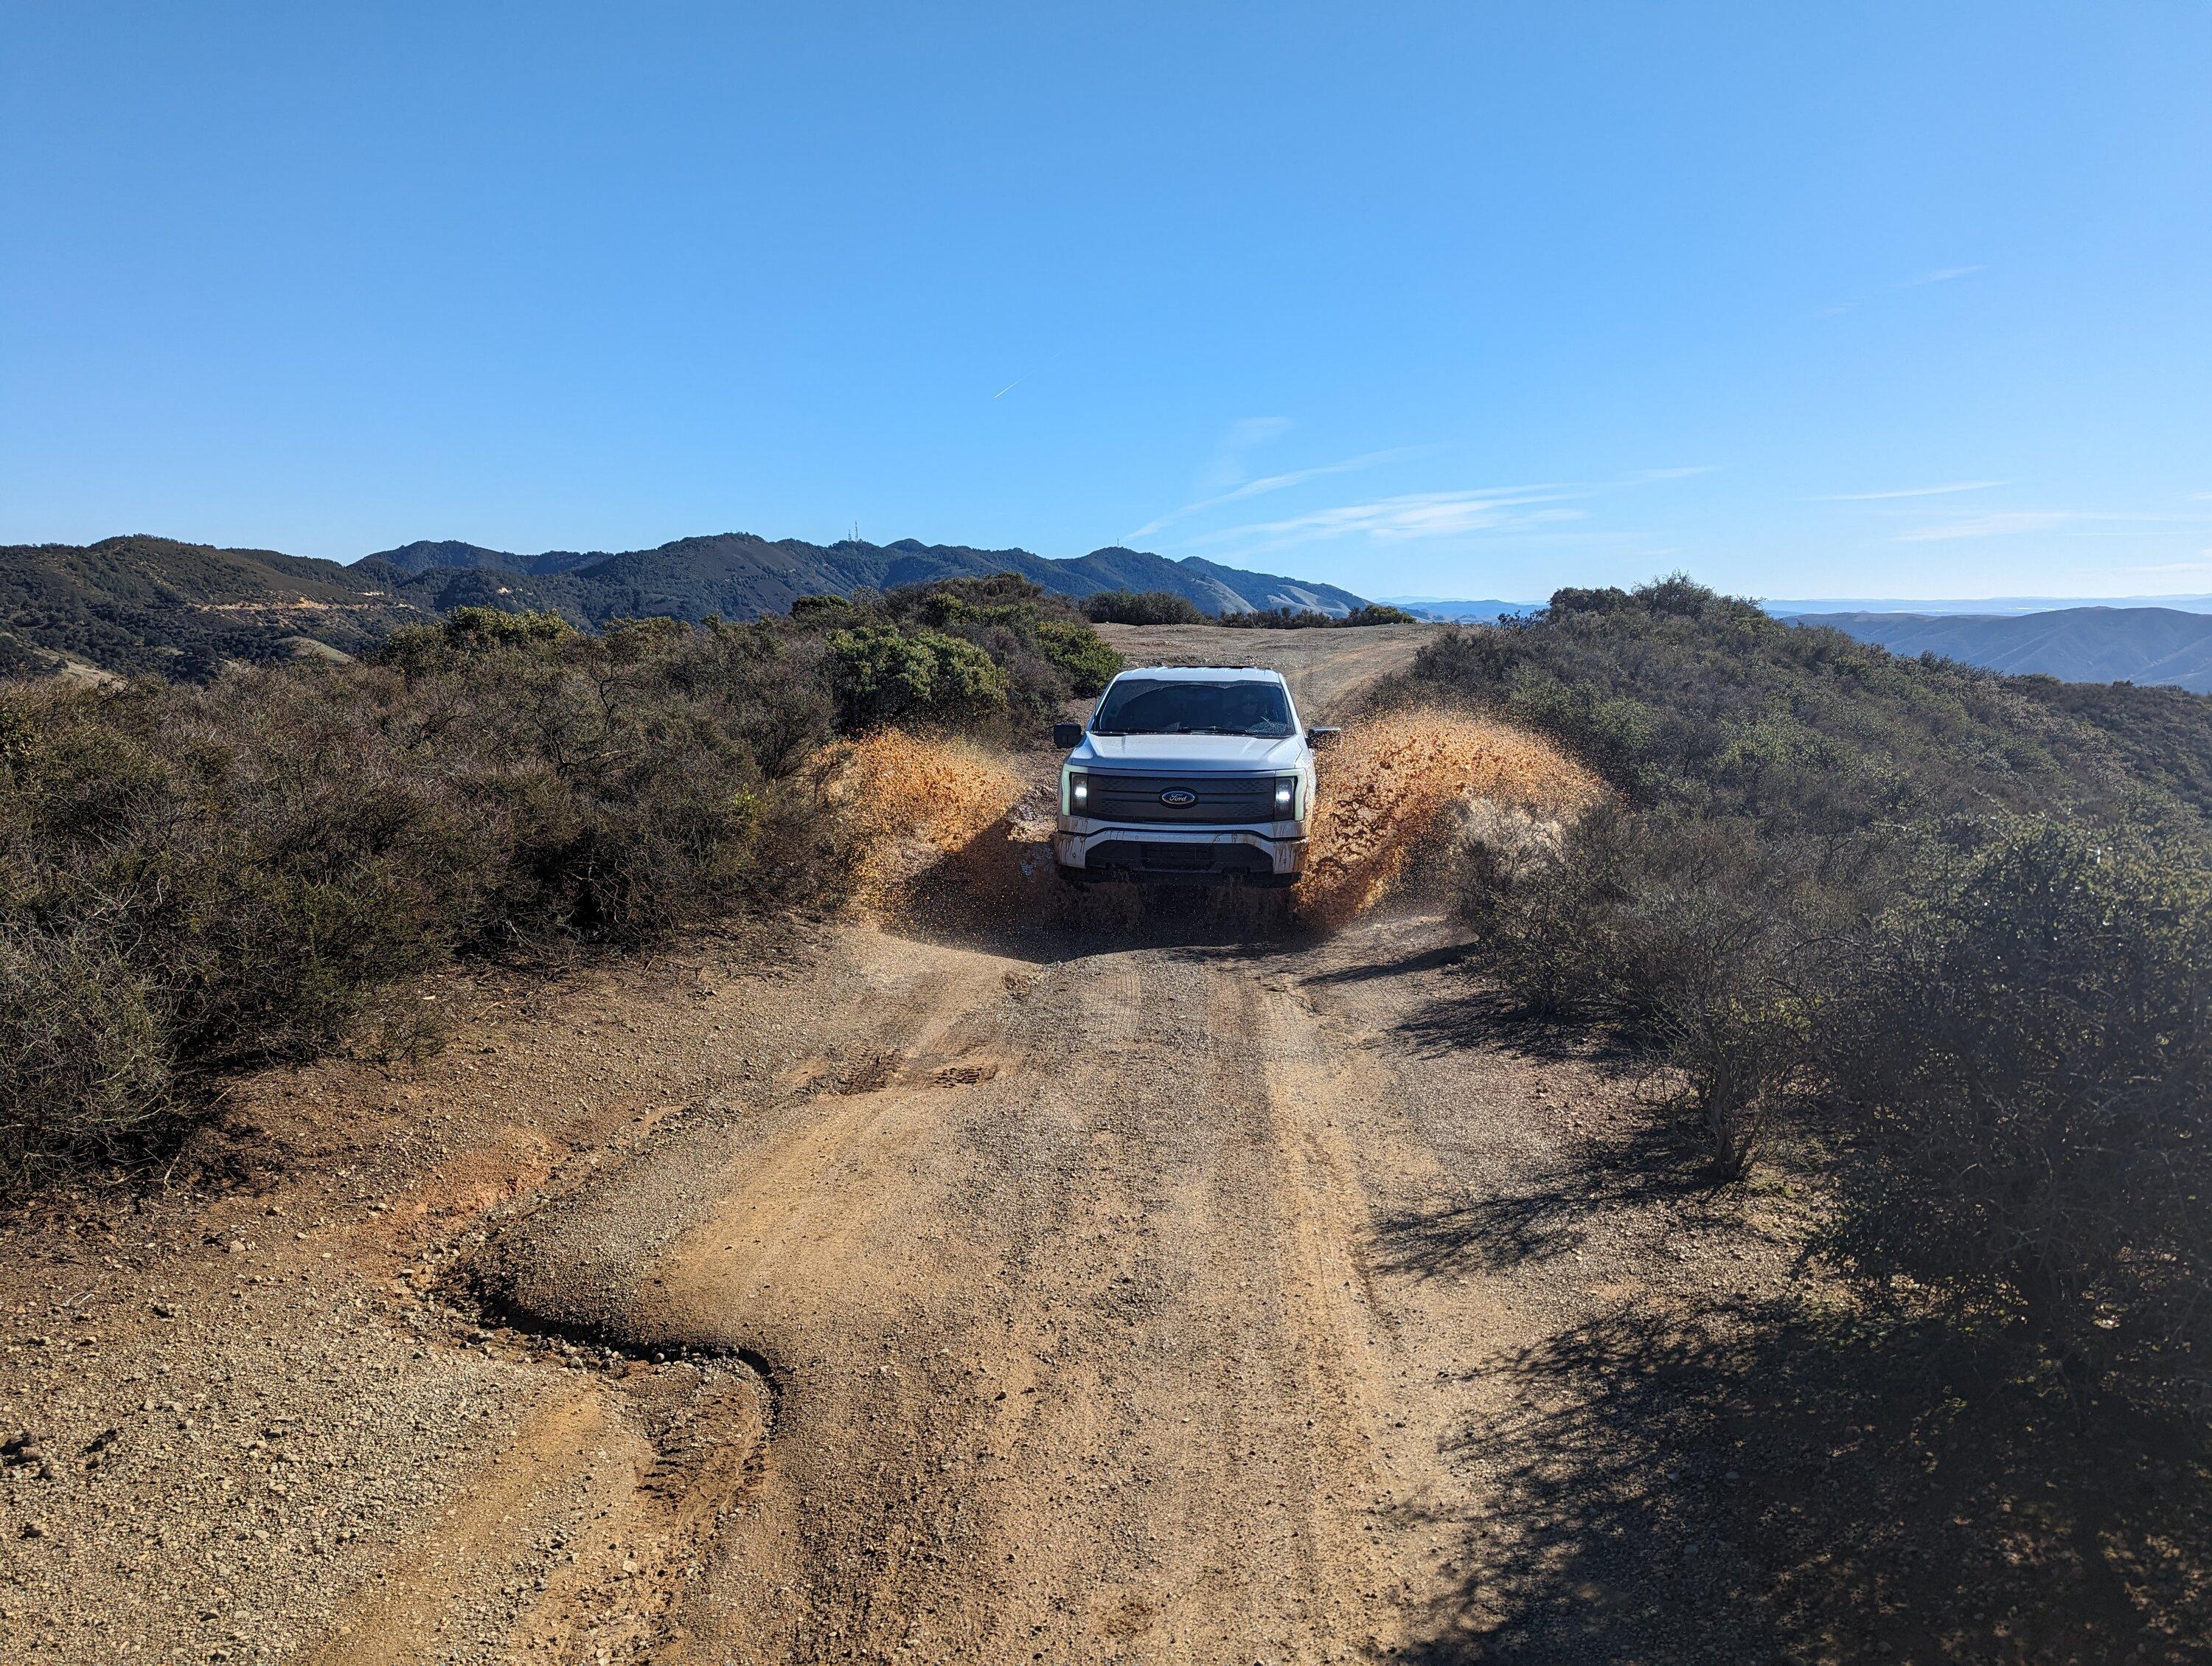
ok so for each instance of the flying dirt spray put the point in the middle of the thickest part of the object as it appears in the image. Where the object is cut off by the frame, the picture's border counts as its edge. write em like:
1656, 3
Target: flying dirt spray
949, 834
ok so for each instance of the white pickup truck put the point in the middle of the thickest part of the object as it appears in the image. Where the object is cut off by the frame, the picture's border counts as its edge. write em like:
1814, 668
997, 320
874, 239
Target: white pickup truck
1199, 774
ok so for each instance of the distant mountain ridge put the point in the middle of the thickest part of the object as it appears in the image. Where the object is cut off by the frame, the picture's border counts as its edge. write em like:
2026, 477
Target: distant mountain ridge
1460, 610
140, 605
2154, 645
740, 575
1798, 607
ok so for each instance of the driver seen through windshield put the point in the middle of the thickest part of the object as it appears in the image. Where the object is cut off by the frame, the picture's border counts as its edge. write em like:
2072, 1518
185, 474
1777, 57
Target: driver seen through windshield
1151, 706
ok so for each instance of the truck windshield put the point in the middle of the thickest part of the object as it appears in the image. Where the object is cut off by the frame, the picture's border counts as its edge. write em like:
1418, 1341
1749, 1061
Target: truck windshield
1144, 705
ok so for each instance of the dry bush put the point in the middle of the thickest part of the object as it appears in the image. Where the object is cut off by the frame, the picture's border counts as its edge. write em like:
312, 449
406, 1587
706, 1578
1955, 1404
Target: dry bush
83, 1063
2029, 1054
1820, 893
1686, 936
196, 879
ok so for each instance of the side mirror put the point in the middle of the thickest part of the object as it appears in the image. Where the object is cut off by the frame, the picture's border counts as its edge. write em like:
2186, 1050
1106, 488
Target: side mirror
1066, 737
1322, 736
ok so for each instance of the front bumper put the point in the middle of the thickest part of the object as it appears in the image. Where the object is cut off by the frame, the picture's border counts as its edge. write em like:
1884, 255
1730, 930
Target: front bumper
1275, 849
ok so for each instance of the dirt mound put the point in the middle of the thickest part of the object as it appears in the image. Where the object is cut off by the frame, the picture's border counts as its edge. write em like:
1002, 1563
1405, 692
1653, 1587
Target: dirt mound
953, 836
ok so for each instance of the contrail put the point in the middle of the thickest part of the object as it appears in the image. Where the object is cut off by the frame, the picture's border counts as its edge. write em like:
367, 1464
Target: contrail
1025, 376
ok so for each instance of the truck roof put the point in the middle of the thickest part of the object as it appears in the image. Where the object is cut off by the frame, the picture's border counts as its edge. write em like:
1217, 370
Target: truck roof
1204, 673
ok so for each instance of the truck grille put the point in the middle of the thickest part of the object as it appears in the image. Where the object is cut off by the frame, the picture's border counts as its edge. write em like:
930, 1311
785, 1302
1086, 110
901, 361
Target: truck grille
1147, 860
1231, 800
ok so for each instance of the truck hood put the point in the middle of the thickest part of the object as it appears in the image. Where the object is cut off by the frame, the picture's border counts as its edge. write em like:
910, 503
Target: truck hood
1197, 753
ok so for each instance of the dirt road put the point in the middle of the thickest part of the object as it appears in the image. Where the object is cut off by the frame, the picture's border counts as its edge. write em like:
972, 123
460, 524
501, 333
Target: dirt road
1070, 1302
1158, 1294
1325, 668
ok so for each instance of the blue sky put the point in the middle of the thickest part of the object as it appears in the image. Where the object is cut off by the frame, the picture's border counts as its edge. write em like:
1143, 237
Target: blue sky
1908, 300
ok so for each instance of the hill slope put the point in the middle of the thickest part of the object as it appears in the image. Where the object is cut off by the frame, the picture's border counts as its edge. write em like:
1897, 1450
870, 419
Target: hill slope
141, 604
2074, 644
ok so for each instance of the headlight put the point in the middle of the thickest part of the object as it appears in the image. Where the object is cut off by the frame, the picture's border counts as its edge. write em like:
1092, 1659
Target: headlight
1076, 794
1286, 798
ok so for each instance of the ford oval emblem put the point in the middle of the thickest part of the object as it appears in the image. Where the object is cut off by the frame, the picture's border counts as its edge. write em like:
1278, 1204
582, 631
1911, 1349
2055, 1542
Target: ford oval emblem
1177, 797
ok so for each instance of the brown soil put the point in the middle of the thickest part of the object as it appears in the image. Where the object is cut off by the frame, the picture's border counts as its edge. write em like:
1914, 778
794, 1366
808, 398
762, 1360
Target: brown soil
992, 1286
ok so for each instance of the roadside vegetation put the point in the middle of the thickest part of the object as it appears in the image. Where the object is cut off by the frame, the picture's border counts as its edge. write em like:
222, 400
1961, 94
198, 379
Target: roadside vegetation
1149, 607
1944, 927
196, 879
1306, 618
1143, 607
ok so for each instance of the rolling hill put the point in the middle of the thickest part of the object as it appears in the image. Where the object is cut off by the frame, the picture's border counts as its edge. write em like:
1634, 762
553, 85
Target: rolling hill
141, 606
2154, 645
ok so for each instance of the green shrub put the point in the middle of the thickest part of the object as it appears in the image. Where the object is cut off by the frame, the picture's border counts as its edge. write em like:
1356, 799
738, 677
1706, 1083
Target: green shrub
1301, 618
472, 628
1143, 607
1049, 653
882, 673
1080, 652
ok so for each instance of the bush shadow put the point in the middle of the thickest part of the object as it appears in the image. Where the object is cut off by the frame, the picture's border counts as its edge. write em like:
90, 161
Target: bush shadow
1762, 1482
1484, 1014
1540, 1223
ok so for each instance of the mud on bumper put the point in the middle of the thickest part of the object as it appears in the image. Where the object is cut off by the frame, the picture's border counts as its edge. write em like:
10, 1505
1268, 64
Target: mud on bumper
1156, 855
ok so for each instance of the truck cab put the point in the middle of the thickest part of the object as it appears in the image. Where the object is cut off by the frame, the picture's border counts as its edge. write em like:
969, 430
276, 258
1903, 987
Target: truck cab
1192, 774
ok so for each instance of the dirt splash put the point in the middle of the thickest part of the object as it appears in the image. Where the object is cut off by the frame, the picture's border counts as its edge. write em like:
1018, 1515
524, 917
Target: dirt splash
1399, 786
953, 835
911, 800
